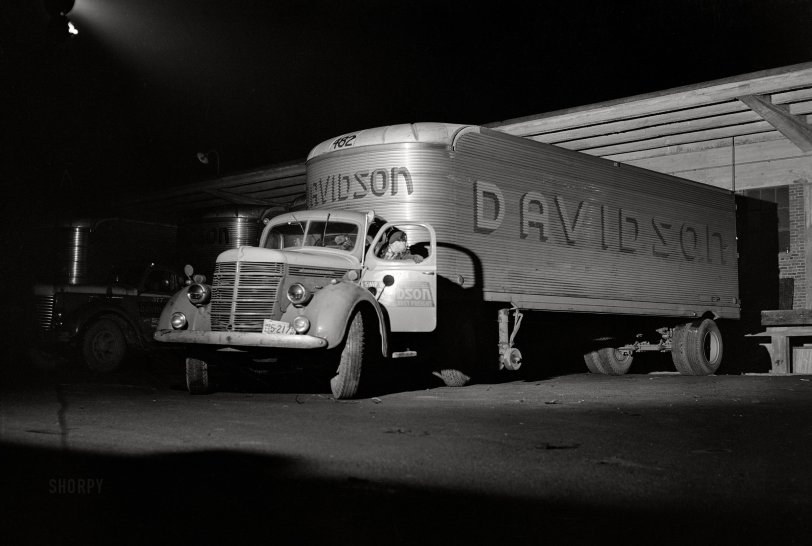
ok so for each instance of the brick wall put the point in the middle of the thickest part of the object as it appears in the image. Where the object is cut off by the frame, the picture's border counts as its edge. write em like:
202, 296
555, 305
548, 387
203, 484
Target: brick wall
792, 264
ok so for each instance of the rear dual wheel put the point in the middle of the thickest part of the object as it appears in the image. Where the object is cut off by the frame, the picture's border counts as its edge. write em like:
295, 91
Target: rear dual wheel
696, 347
608, 361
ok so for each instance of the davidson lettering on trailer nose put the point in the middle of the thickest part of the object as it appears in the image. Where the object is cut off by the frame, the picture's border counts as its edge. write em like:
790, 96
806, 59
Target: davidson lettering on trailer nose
378, 182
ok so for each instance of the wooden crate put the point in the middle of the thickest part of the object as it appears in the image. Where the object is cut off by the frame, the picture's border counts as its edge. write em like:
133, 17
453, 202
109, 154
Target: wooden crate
802, 359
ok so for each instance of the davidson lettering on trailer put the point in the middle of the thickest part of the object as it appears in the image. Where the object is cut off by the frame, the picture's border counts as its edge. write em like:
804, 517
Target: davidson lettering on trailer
378, 182
621, 230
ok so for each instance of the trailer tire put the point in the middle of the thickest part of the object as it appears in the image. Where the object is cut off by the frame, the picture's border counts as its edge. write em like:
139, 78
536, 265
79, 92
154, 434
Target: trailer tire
197, 376
354, 352
697, 348
608, 361
678, 347
104, 346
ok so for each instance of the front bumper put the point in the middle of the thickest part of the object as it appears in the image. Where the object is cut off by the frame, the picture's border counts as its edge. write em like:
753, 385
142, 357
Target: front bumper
241, 339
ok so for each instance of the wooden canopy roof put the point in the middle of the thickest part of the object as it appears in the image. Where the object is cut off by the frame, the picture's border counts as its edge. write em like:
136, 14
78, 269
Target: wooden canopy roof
737, 133
744, 132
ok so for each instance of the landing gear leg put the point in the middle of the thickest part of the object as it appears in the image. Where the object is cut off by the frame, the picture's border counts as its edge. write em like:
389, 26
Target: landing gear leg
509, 356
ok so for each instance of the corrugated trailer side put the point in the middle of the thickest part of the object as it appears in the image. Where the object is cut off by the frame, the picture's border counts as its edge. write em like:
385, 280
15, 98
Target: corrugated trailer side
559, 230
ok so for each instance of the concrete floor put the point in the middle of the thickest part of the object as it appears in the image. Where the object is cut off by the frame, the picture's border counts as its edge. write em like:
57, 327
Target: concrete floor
647, 458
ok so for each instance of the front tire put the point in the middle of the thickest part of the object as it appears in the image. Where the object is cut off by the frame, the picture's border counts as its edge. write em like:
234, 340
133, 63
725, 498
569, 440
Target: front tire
697, 348
197, 376
608, 361
354, 354
104, 346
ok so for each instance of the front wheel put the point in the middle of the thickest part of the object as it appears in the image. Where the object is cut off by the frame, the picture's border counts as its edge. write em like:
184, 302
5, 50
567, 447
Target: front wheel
696, 348
197, 376
356, 352
608, 361
104, 346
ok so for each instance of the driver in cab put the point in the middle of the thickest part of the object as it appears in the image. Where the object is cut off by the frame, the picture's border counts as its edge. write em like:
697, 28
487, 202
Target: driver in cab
397, 248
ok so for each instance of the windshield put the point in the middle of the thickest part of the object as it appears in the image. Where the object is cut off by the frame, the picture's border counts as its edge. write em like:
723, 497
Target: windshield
322, 234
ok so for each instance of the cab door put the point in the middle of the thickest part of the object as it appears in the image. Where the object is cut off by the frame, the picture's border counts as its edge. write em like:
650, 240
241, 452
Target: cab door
406, 283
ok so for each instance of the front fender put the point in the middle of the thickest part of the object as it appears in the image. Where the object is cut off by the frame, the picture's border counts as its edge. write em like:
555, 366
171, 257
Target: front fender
330, 310
75, 322
198, 318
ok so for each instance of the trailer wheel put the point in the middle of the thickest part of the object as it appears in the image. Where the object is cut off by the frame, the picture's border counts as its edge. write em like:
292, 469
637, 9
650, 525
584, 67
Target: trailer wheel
197, 376
678, 347
354, 353
697, 348
608, 361
104, 346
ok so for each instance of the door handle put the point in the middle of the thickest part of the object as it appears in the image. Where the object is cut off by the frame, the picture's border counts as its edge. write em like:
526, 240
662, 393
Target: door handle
427, 272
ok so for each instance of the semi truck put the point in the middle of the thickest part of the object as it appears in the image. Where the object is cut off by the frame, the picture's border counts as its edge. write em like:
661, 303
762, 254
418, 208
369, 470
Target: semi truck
418, 236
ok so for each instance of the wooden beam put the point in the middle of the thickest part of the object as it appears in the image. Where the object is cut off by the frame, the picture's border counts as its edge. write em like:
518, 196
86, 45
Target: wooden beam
237, 199
770, 81
674, 140
693, 126
780, 118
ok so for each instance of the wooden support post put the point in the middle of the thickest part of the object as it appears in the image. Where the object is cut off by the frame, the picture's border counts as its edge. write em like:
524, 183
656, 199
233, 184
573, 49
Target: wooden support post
780, 354
807, 246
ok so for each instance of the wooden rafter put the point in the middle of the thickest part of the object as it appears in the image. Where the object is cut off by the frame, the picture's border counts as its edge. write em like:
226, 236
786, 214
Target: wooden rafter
779, 117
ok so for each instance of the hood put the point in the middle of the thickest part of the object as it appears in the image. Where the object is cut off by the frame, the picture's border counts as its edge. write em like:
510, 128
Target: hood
327, 257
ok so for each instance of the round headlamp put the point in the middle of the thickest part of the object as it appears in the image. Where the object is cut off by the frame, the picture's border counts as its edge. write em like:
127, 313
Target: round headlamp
298, 294
198, 294
178, 321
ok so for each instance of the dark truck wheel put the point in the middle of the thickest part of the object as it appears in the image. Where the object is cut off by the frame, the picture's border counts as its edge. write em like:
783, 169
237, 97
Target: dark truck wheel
197, 376
356, 352
608, 361
104, 346
696, 348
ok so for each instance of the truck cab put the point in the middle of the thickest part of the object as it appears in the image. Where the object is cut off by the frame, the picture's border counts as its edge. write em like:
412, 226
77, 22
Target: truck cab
339, 283
101, 322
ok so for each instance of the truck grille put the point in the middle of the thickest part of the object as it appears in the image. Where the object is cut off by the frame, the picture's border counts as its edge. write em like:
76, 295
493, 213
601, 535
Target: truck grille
243, 294
44, 312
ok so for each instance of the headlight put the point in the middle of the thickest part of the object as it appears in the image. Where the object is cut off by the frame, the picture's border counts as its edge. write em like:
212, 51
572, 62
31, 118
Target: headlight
198, 294
298, 294
178, 321
301, 324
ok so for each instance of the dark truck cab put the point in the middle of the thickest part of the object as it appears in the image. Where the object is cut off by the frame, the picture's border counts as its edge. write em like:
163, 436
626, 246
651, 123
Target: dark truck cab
98, 289
101, 322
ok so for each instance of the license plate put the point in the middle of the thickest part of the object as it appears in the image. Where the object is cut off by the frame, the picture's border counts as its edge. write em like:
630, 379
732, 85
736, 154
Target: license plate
276, 327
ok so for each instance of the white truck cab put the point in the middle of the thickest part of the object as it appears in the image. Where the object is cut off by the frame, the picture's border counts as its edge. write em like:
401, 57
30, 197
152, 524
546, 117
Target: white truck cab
324, 280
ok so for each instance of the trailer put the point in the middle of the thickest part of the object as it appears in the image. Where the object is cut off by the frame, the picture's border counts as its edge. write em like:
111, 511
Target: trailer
496, 226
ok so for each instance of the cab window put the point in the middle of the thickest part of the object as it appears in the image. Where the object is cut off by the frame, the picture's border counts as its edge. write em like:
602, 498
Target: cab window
408, 243
340, 235
163, 282
285, 236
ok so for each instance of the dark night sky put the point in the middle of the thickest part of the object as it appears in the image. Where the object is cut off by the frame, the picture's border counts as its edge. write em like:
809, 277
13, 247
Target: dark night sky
148, 83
